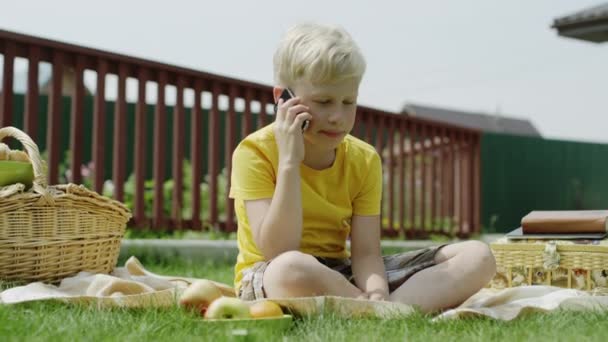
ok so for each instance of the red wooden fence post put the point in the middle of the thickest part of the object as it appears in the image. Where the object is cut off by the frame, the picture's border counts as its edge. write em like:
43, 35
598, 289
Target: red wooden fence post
54, 118
179, 128
213, 154
6, 100
120, 134
99, 120
139, 162
196, 153
77, 122
160, 139
230, 145
32, 95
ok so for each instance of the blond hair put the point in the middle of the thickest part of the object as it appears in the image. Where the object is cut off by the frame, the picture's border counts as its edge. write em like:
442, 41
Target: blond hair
317, 53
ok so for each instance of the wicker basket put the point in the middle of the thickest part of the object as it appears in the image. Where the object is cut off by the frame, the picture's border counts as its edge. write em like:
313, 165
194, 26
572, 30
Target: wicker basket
579, 264
48, 233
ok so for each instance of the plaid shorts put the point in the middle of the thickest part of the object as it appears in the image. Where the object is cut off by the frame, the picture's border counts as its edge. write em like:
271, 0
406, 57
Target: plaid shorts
399, 268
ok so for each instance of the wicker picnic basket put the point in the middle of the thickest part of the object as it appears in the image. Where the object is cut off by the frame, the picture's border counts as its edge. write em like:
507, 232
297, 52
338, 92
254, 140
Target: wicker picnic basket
48, 233
578, 264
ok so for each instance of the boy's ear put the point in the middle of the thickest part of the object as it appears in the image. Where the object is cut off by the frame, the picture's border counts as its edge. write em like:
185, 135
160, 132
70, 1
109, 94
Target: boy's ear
276, 93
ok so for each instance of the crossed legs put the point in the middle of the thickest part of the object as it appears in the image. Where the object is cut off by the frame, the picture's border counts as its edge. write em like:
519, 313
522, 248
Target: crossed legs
461, 270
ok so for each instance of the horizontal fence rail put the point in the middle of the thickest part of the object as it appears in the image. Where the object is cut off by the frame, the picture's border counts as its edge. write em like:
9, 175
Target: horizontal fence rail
431, 170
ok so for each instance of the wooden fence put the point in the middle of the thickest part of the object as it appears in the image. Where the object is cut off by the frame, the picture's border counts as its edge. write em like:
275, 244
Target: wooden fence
431, 170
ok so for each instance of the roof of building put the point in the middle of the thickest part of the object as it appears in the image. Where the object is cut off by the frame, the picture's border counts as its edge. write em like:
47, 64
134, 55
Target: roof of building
482, 121
589, 24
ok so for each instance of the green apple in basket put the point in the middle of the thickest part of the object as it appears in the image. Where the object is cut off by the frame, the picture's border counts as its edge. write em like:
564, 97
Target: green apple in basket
15, 167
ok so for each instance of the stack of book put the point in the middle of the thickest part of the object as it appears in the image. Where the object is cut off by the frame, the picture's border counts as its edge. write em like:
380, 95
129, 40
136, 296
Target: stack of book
565, 224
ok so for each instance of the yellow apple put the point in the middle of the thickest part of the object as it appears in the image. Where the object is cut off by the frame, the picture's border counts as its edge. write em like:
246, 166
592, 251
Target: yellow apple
16, 155
5, 151
265, 309
199, 295
228, 308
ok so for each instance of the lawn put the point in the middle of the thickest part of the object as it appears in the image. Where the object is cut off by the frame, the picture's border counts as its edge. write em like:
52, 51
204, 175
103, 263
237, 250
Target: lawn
57, 321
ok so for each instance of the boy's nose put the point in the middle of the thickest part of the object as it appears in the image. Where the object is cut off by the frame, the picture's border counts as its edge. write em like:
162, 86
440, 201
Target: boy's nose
334, 119
335, 116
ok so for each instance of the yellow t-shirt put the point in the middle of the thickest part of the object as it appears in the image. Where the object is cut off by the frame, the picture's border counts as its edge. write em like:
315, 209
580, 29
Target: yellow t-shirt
330, 197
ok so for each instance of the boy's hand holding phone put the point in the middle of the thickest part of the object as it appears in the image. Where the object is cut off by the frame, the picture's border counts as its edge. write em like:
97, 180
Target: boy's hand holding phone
291, 120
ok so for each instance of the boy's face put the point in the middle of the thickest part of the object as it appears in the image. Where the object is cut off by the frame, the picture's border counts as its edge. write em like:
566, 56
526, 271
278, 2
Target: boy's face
333, 107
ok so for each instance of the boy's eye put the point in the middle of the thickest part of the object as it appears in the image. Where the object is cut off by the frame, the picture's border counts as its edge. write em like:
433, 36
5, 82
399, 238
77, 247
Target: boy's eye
329, 101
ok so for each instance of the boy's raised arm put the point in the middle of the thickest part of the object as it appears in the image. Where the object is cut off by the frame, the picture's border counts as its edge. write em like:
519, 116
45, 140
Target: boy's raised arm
276, 223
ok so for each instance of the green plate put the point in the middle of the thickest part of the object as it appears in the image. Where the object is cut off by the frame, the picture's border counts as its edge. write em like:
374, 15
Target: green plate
12, 172
283, 322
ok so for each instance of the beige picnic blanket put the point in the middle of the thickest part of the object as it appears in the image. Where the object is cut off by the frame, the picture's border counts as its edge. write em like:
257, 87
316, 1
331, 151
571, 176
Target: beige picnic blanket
132, 286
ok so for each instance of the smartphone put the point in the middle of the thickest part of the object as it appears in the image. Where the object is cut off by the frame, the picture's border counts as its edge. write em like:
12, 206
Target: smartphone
286, 95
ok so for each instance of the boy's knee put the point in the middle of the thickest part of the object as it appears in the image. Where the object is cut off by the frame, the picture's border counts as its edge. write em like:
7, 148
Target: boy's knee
481, 255
290, 269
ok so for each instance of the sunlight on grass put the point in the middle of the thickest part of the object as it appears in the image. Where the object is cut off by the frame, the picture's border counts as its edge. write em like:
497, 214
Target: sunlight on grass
63, 322
56, 321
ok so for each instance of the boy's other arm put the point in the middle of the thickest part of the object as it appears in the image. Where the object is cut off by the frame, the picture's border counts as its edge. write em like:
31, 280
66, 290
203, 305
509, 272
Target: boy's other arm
366, 255
276, 223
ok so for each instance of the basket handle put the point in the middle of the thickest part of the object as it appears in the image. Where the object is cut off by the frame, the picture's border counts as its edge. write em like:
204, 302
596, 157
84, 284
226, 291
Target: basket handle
39, 183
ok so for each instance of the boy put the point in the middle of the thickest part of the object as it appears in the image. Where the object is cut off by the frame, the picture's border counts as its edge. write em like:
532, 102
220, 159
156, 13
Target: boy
300, 193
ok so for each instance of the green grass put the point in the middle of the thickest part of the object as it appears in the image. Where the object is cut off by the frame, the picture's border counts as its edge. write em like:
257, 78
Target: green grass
183, 234
55, 321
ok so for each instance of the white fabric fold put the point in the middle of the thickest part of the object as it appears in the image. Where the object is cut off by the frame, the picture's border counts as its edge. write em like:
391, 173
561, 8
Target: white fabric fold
135, 287
508, 304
